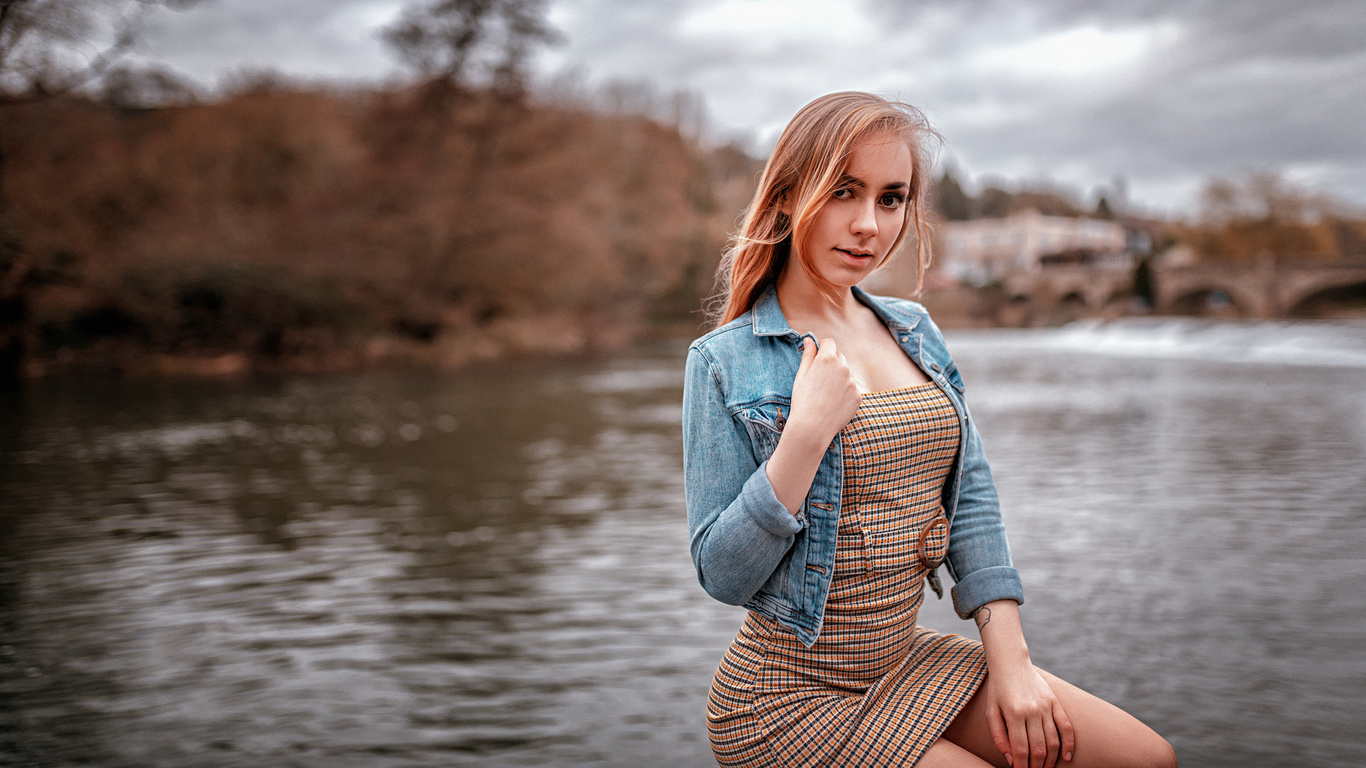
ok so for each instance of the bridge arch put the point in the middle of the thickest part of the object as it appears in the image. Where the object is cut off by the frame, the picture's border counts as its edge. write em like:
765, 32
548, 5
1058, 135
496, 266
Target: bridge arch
1076, 296
1210, 300
1269, 288
1329, 300
1017, 310
1117, 295
1072, 305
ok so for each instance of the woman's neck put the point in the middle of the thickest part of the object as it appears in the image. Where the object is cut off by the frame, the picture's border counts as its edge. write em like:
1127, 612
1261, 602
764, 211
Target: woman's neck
803, 303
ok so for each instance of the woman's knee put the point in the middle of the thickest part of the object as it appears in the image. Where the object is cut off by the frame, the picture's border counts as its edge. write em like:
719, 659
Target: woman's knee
1106, 734
1163, 756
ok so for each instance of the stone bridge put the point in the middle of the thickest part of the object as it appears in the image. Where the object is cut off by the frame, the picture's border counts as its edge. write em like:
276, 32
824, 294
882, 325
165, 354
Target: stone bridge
1060, 293
1272, 288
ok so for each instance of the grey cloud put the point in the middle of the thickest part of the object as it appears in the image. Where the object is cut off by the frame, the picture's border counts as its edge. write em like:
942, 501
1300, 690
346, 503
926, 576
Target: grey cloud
1248, 84
314, 38
1254, 83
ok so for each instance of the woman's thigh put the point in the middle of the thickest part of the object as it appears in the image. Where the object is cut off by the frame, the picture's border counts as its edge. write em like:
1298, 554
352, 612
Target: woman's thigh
1105, 734
945, 754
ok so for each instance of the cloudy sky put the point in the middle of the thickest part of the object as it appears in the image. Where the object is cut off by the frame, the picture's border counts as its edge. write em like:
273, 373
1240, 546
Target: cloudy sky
1161, 94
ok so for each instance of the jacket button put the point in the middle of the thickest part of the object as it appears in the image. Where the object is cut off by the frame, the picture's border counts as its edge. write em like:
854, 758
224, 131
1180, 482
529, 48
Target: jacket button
905, 338
936, 367
780, 422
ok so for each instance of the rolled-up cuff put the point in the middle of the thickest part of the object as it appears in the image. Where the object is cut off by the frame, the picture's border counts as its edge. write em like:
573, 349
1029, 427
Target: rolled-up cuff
762, 503
1001, 582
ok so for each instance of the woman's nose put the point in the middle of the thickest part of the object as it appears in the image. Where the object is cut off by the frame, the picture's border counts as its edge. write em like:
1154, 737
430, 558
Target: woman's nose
865, 221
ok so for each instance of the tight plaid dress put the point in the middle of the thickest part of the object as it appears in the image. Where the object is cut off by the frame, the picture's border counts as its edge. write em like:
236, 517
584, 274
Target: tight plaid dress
875, 689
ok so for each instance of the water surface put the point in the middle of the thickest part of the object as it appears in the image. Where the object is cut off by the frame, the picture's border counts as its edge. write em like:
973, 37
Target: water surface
490, 567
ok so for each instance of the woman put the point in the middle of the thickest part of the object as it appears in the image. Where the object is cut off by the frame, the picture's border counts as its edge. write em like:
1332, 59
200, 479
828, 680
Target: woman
831, 465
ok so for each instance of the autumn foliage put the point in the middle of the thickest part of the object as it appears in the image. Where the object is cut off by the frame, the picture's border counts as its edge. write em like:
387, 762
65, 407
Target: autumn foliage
308, 228
1262, 215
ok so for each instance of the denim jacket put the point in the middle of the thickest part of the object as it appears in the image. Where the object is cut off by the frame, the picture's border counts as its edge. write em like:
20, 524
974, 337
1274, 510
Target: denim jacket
747, 547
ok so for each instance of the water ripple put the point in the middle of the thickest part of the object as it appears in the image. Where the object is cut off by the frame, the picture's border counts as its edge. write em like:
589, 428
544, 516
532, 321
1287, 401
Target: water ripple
491, 568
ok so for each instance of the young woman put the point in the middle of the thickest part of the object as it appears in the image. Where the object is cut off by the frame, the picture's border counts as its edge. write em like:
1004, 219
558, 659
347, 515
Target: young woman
831, 466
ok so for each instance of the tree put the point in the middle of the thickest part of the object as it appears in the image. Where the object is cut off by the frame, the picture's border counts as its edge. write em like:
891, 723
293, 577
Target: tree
53, 47
464, 42
1262, 214
1103, 210
50, 48
455, 47
950, 201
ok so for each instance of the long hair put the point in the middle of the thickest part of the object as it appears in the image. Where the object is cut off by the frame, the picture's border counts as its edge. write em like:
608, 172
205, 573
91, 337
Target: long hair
802, 173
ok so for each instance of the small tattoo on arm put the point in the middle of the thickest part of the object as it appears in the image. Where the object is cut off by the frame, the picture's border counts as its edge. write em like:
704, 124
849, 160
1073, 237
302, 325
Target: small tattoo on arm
983, 617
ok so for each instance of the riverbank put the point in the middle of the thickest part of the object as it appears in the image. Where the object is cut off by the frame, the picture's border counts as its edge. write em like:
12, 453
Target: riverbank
545, 335
551, 335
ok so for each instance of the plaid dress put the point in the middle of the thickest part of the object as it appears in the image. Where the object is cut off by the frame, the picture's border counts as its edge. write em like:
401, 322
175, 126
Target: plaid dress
875, 689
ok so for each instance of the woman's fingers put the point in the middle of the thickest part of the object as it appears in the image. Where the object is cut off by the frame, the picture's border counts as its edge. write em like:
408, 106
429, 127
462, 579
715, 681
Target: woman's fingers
999, 735
1037, 745
1018, 756
819, 358
1050, 737
824, 396
808, 354
827, 376
1066, 736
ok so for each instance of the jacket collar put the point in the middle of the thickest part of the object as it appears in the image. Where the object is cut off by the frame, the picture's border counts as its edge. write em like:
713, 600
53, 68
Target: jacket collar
769, 320
768, 316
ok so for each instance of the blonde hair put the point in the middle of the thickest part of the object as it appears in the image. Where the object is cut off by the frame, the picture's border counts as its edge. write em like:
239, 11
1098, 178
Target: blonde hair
803, 172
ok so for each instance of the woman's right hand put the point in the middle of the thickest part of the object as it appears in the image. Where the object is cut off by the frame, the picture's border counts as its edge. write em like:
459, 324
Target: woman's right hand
824, 394
824, 399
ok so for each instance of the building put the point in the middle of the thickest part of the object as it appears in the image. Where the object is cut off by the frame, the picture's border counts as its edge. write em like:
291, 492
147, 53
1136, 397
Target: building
985, 250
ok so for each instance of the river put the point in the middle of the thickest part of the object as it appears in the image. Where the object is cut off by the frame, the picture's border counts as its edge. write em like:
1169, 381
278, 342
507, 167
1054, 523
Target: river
490, 567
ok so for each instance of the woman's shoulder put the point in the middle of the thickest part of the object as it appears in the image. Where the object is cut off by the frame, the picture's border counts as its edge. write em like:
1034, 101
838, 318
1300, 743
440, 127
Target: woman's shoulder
725, 337
901, 306
743, 358
912, 314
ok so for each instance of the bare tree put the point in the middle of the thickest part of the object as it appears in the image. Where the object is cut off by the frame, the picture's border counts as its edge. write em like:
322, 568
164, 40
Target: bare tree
470, 58
50, 48
464, 42
1265, 195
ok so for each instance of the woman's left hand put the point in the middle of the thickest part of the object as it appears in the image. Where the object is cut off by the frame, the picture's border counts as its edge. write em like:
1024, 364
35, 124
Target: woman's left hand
1027, 721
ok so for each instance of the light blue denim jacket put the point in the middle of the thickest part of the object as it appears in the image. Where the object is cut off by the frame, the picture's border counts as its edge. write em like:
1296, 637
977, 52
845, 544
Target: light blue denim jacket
747, 548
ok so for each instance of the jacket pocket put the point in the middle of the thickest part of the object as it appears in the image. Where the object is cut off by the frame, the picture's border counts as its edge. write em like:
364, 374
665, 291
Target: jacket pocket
764, 421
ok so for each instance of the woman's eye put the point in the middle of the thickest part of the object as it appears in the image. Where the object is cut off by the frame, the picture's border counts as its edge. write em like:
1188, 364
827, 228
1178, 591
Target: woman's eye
844, 193
892, 201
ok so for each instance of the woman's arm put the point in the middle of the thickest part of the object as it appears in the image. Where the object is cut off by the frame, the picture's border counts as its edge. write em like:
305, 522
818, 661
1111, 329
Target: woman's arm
738, 530
979, 554
1026, 719
743, 516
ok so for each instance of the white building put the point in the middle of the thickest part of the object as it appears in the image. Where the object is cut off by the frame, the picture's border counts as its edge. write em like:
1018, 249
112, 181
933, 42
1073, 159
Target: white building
984, 250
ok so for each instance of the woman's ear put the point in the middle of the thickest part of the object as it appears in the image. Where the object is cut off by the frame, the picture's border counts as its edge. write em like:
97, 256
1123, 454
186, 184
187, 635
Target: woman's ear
785, 205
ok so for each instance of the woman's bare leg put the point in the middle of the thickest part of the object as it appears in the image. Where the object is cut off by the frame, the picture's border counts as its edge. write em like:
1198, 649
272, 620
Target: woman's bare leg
945, 754
1106, 735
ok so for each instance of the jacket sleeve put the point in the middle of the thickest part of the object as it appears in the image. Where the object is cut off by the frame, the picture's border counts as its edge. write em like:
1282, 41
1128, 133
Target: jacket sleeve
738, 530
979, 554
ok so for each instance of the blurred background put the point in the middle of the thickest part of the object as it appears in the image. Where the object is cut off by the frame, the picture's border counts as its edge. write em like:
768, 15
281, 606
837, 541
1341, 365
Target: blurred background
341, 349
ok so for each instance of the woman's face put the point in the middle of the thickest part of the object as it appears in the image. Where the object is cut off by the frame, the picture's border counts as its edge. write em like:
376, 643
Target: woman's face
853, 232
